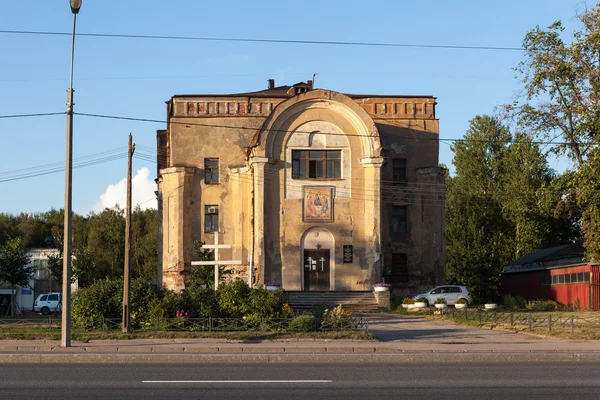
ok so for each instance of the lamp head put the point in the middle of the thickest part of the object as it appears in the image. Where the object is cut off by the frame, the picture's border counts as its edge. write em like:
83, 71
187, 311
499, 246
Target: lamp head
75, 6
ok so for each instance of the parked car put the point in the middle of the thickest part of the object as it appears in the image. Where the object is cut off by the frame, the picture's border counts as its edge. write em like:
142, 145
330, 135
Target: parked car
450, 292
47, 303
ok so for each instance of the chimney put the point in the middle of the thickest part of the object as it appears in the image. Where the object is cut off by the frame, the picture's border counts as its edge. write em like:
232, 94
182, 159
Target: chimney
271, 84
310, 85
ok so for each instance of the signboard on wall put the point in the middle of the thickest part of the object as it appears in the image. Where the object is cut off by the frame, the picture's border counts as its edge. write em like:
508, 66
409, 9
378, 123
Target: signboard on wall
347, 253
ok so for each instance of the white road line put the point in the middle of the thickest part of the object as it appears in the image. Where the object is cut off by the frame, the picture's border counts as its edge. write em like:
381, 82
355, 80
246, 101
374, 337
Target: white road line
264, 381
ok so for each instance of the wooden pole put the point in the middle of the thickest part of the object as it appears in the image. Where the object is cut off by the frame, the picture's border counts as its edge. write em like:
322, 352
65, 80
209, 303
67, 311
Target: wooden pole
126, 274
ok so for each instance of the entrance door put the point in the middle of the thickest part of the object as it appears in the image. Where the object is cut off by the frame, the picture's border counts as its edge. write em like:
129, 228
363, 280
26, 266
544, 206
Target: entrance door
316, 269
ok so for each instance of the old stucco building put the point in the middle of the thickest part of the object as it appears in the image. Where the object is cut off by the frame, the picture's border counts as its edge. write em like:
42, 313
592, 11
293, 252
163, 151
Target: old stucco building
313, 189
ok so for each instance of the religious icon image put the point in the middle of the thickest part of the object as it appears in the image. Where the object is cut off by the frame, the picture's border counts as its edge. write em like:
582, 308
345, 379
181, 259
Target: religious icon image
318, 204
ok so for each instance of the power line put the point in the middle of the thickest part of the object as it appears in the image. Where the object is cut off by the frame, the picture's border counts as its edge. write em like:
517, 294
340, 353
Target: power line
32, 115
157, 121
253, 40
62, 168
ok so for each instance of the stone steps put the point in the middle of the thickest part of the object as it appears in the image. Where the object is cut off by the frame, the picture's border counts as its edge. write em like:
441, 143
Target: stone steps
361, 301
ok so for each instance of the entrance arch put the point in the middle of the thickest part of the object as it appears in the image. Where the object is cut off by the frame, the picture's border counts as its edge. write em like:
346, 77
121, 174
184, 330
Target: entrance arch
318, 259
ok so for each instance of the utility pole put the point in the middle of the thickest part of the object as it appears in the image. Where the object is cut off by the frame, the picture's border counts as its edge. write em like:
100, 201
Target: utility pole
65, 326
127, 276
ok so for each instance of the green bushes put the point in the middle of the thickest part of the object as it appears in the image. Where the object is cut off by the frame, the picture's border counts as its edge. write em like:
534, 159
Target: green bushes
150, 303
102, 299
302, 323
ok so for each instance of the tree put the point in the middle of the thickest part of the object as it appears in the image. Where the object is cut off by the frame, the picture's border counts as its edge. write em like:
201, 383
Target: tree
14, 266
205, 274
561, 99
106, 242
493, 209
82, 265
144, 236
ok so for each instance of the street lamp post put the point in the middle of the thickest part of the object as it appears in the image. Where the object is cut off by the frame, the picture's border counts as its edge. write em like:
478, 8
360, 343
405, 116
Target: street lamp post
67, 241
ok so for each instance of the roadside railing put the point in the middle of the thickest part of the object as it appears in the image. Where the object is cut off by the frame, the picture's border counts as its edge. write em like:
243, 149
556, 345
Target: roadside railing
526, 319
199, 324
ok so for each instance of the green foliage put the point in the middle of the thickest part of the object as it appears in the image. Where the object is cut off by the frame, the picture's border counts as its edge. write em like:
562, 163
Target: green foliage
493, 207
106, 241
233, 299
81, 267
102, 299
200, 302
264, 303
408, 300
14, 263
461, 301
561, 99
336, 317
144, 243
205, 274
540, 305
440, 300
513, 303
302, 323
145, 297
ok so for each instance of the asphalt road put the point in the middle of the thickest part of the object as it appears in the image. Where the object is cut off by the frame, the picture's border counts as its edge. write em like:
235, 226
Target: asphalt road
302, 381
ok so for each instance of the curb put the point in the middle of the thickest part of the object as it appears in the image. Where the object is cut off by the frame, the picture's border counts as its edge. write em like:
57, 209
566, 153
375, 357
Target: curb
265, 357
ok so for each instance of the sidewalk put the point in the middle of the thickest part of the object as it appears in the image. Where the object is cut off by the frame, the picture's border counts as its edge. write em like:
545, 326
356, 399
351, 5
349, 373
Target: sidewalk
401, 339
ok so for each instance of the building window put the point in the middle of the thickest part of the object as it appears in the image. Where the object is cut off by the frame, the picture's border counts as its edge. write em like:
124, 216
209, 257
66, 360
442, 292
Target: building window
211, 219
399, 271
399, 220
211, 170
578, 277
399, 170
316, 164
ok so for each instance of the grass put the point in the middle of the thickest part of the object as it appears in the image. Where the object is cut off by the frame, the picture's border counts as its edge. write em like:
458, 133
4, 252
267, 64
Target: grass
560, 323
54, 333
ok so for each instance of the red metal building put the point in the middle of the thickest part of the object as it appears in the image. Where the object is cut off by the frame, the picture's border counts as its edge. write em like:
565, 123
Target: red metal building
557, 273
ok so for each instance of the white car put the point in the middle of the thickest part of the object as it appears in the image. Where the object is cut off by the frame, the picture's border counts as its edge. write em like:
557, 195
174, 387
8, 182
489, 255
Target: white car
452, 293
47, 303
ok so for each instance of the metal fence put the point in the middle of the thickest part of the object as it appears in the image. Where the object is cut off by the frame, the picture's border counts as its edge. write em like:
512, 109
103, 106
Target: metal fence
203, 324
525, 319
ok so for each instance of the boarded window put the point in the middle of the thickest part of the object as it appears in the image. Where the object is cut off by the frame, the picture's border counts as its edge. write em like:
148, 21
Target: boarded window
399, 270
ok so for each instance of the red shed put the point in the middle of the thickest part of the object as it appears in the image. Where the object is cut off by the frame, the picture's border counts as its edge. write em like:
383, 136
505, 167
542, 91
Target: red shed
557, 273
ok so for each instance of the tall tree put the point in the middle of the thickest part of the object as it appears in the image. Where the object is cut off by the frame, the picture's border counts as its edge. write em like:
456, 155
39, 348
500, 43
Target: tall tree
106, 242
477, 237
144, 236
493, 211
15, 267
561, 100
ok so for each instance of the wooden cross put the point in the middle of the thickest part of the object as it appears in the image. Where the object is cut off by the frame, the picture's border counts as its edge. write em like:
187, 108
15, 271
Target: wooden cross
217, 262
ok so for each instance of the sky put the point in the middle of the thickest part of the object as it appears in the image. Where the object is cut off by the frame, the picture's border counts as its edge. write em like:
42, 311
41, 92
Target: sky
133, 77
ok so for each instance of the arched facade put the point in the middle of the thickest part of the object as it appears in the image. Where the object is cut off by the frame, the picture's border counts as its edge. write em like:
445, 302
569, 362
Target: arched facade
290, 176
330, 133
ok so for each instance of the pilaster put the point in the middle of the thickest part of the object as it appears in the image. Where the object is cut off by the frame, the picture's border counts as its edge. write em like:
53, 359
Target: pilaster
176, 183
372, 190
259, 164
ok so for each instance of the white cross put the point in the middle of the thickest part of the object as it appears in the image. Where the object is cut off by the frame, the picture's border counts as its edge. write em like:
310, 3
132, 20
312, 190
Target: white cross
322, 259
217, 262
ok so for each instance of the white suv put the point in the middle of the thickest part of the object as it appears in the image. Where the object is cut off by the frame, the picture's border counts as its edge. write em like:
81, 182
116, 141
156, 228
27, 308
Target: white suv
47, 303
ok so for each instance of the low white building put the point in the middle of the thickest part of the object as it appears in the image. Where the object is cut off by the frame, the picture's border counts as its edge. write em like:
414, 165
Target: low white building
41, 282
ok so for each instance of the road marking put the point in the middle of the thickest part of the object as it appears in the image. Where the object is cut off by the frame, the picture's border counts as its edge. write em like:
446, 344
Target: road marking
246, 381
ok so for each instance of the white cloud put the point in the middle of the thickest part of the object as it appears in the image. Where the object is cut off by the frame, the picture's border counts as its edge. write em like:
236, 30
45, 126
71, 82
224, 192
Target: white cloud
142, 192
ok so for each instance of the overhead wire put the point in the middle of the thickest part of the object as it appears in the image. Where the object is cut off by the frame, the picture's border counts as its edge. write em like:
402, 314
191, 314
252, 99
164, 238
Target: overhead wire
254, 129
51, 170
268, 40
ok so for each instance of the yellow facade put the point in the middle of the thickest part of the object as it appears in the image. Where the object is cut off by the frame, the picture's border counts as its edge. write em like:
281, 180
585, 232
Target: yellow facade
294, 229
